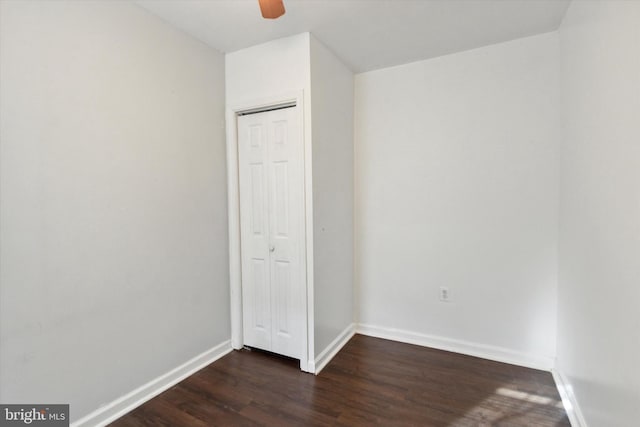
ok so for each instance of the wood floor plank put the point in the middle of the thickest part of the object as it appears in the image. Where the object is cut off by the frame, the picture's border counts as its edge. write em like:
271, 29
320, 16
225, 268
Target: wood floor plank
370, 382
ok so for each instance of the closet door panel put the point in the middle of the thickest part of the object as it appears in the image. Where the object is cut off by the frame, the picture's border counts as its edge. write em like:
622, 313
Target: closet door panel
254, 230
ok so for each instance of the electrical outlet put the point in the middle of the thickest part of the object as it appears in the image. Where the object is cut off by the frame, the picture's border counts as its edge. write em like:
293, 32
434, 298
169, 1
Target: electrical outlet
445, 295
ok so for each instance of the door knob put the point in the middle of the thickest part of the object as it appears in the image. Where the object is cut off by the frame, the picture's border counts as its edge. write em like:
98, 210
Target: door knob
272, 248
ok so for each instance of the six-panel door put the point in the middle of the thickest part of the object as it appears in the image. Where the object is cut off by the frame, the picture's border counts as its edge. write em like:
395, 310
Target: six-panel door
272, 233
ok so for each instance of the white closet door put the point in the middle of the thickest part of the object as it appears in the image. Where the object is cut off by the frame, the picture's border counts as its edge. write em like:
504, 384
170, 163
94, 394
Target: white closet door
272, 233
254, 230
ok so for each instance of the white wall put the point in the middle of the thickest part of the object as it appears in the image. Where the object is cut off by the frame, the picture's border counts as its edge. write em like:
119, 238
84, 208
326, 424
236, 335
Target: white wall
599, 291
332, 115
266, 70
456, 185
114, 265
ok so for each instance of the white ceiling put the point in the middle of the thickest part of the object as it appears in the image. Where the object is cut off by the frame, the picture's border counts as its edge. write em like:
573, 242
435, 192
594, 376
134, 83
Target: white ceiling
366, 34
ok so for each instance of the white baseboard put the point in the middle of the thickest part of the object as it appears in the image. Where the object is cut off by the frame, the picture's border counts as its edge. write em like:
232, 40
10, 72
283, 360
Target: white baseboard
117, 408
568, 399
332, 349
497, 354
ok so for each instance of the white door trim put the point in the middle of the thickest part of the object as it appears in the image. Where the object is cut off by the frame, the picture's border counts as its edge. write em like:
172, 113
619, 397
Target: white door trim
233, 209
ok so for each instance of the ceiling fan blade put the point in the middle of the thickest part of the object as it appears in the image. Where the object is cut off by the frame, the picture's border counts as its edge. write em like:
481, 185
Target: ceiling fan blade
271, 9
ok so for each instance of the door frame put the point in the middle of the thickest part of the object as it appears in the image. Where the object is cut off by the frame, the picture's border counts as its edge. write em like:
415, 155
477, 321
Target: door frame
233, 209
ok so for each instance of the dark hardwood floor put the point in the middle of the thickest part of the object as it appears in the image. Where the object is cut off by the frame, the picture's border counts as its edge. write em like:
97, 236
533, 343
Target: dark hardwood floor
370, 382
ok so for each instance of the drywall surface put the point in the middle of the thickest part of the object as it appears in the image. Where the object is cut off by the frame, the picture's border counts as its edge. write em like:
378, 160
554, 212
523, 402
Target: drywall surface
599, 292
456, 186
332, 115
113, 251
267, 70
